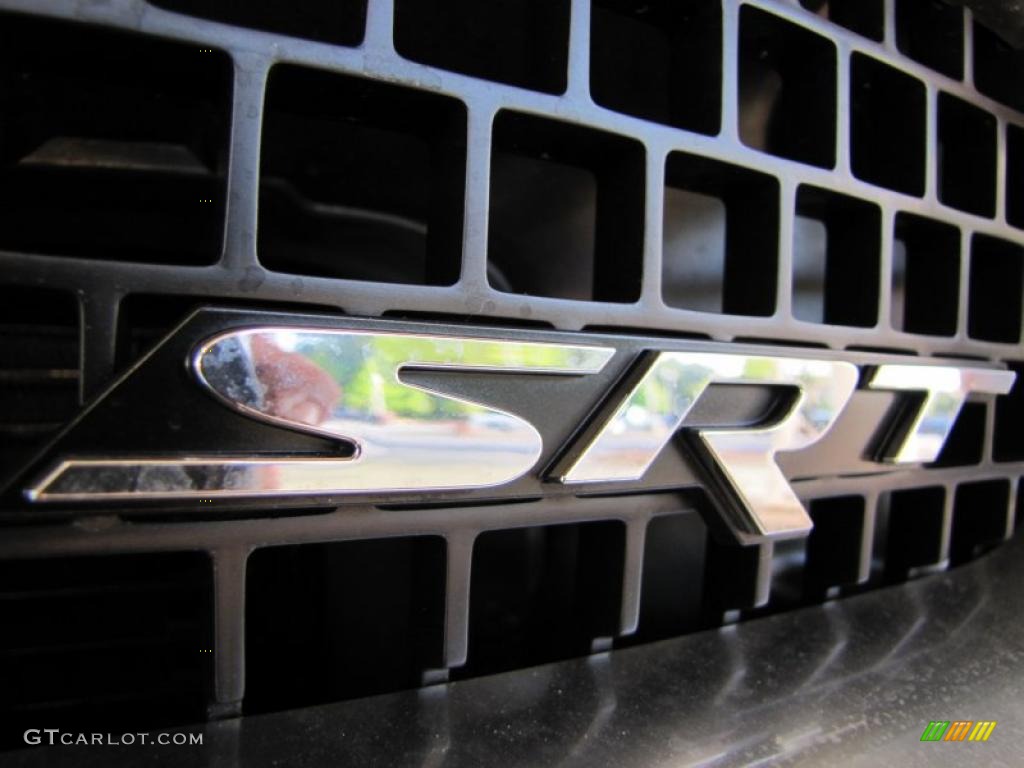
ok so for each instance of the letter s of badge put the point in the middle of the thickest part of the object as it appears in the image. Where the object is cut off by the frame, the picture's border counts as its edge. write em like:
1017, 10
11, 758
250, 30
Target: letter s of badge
346, 385
740, 463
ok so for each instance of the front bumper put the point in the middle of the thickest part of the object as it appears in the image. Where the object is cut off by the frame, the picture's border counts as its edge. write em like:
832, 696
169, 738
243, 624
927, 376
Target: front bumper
851, 682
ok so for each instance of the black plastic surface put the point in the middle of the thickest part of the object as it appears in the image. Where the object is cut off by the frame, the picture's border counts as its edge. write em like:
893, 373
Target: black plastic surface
853, 682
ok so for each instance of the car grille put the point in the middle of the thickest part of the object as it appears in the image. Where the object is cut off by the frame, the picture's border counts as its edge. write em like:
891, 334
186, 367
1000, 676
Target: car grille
842, 174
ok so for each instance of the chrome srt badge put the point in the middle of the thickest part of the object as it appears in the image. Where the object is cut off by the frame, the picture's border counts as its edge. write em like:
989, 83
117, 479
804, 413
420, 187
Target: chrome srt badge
740, 461
406, 437
392, 406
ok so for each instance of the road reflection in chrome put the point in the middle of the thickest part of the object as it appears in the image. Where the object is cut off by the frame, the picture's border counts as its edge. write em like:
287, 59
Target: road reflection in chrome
755, 494
346, 385
945, 389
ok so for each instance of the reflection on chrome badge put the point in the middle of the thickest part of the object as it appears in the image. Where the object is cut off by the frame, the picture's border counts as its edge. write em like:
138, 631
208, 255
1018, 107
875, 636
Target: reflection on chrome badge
742, 461
346, 385
352, 386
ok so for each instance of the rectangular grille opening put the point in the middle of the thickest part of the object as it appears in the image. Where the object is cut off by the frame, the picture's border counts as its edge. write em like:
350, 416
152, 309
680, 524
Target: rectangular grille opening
836, 258
887, 126
105, 643
351, 187
693, 258
520, 42
39, 365
114, 145
980, 517
998, 68
732, 573
337, 621
812, 570
966, 156
672, 588
925, 276
566, 211
995, 285
833, 548
865, 17
932, 32
788, 566
341, 22
720, 237
542, 594
787, 89
661, 61
1008, 443
913, 520
1015, 175
965, 445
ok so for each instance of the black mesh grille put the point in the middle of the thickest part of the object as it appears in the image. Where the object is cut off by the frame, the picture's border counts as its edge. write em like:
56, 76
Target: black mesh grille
39, 361
124, 136
798, 173
100, 641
